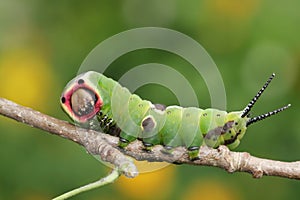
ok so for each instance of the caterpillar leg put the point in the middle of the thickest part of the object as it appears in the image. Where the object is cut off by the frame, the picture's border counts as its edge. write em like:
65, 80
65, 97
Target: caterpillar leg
233, 144
147, 146
123, 142
167, 149
193, 152
125, 139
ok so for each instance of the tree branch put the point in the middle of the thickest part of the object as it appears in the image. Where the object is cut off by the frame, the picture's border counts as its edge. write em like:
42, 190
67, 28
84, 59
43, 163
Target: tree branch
106, 147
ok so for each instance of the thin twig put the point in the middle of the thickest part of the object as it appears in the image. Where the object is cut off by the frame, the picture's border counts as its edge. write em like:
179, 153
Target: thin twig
106, 146
103, 181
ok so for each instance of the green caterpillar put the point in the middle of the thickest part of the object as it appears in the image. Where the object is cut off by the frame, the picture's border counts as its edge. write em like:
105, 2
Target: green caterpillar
97, 102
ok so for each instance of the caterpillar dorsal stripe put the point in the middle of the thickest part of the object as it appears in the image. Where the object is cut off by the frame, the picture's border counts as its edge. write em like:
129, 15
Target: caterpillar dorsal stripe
97, 102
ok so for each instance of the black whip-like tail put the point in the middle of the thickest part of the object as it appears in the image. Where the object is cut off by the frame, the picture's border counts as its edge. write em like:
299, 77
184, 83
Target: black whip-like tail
256, 97
266, 115
254, 100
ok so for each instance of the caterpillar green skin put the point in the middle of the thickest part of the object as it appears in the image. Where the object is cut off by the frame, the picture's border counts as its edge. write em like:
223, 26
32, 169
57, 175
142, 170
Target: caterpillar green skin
97, 102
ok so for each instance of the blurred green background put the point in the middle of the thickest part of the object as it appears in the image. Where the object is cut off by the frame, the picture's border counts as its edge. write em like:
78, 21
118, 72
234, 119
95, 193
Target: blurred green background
43, 43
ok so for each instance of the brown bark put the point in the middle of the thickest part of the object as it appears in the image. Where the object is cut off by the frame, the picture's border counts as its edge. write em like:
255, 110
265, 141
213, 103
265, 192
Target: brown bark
106, 147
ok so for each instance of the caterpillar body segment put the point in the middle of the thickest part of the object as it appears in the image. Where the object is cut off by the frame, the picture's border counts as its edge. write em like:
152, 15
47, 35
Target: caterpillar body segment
97, 102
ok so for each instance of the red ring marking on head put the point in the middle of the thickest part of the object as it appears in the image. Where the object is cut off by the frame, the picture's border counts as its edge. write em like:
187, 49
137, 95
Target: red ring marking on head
68, 94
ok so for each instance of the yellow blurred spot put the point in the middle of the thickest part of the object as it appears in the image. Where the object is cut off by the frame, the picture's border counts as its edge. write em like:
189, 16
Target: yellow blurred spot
154, 185
34, 195
145, 166
25, 77
233, 9
210, 190
225, 25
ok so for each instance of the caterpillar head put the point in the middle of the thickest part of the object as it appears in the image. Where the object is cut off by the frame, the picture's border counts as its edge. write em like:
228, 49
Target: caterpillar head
80, 99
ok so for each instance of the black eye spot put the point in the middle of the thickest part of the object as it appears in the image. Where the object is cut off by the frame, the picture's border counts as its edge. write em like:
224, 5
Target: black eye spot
63, 100
229, 131
236, 123
218, 115
80, 81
